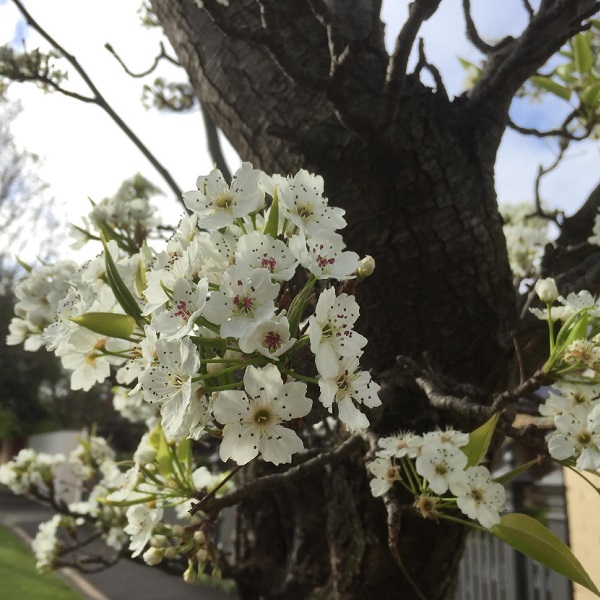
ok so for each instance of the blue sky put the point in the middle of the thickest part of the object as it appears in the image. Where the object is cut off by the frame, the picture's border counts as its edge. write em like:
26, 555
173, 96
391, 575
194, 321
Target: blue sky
86, 155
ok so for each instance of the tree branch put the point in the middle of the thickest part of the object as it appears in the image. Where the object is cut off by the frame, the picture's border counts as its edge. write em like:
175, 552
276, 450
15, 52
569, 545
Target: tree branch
394, 518
512, 62
264, 484
214, 144
102, 103
528, 8
418, 12
437, 78
561, 132
472, 33
542, 171
161, 55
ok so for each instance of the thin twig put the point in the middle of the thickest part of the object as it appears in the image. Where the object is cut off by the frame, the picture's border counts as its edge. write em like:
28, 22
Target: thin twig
437, 78
519, 355
472, 33
535, 382
263, 484
214, 144
529, 9
102, 103
542, 171
394, 518
161, 55
418, 12
561, 132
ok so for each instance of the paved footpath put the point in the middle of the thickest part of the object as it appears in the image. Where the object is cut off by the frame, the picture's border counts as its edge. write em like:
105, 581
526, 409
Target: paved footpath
127, 580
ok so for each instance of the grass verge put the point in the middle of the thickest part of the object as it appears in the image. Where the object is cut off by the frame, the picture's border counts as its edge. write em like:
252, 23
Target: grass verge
19, 578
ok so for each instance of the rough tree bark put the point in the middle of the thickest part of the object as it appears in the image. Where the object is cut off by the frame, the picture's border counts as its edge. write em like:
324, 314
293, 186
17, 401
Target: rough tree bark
308, 84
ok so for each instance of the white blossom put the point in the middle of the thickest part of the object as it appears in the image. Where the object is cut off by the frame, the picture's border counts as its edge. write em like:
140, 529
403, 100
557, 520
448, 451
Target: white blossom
346, 387
323, 255
253, 418
480, 498
141, 521
217, 204
385, 473
169, 383
441, 466
244, 298
330, 331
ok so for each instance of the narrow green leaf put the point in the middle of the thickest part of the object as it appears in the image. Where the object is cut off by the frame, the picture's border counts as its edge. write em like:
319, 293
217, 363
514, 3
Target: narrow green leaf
123, 503
184, 451
140, 278
109, 324
582, 53
120, 290
565, 72
591, 94
298, 305
272, 224
467, 65
479, 441
530, 537
26, 266
551, 86
576, 331
565, 335
163, 458
510, 475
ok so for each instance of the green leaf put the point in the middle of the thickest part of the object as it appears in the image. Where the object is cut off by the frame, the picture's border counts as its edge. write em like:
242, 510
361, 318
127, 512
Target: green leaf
163, 457
184, 451
571, 328
551, 86
109, 324
272, 224
141, 283
120, 290
575, 329
510, 475
479, 441
530, 537
298, 305
26, 266
582, 53
591, 94
565, 72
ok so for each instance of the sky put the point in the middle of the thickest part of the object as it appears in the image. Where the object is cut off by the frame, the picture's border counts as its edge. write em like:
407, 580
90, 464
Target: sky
84, 154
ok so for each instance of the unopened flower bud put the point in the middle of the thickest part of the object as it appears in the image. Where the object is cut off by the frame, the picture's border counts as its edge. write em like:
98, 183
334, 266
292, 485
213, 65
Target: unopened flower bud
199, 537
546, 290
171, 552
177, 531
201, 555
153, 556
190, 574
366, 267
158, 541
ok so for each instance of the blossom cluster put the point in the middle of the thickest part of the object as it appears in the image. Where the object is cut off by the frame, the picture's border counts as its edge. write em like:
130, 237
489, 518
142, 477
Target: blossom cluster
575, 411
526, 236
126, 507
435, 469
573, 403
575, 348
209, 329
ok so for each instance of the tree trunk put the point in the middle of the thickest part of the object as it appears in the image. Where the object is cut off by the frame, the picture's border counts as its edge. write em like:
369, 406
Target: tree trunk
419, 194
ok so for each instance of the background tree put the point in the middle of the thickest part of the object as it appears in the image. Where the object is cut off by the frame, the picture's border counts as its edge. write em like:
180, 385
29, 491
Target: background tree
310, 85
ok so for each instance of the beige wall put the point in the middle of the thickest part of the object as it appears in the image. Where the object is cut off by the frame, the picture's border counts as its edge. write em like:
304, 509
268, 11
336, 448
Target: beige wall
584, 528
